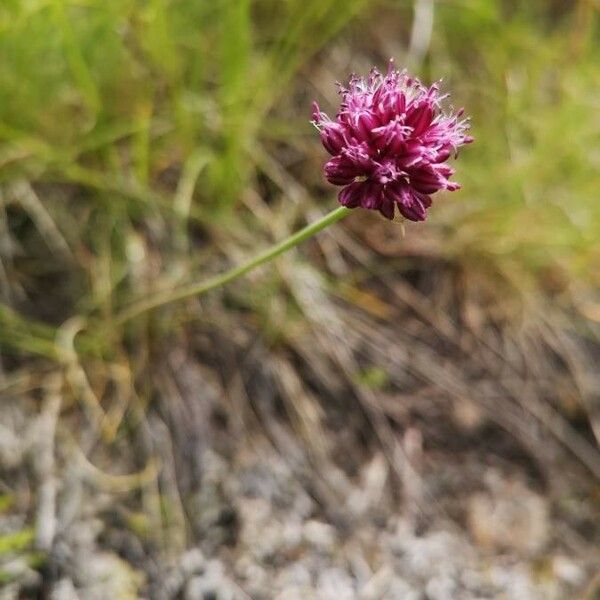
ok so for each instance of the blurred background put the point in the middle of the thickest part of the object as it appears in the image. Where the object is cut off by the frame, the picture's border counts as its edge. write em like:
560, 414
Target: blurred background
376, 415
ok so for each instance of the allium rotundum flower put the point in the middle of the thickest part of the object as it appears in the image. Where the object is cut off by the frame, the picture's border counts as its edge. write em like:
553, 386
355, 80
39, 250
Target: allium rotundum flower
390, 142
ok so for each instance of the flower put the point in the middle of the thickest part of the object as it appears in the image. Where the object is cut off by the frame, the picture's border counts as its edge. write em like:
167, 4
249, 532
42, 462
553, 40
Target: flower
390, 142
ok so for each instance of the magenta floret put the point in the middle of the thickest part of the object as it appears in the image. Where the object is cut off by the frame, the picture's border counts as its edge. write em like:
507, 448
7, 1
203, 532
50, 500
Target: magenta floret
389, 144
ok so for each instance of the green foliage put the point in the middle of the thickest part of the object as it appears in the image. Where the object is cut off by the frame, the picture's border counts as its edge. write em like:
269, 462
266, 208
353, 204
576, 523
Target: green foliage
139, 122
373, 377
13, 542
130, 114
530, 79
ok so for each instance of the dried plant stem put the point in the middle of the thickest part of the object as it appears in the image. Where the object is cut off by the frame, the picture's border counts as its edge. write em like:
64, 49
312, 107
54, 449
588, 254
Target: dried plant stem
200, 287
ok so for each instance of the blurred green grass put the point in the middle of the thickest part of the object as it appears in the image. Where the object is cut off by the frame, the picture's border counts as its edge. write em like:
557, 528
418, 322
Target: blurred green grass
529, 72
128, 125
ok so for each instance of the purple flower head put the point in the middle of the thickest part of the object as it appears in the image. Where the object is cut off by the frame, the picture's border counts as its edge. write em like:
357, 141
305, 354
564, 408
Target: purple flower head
390, 141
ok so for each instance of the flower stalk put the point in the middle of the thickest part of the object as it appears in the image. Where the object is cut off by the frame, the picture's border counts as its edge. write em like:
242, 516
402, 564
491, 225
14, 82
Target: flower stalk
200, 287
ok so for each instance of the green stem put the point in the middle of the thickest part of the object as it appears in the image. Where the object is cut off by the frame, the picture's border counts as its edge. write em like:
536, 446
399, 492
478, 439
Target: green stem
200, 287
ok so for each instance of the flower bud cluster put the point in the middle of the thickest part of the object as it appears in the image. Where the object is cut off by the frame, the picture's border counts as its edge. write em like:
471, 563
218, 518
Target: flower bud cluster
389, 143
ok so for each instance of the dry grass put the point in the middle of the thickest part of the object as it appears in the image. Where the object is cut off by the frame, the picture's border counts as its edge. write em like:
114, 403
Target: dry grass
369, 381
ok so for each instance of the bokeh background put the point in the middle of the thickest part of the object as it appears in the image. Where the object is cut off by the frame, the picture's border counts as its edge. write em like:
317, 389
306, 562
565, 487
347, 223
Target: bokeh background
379, 414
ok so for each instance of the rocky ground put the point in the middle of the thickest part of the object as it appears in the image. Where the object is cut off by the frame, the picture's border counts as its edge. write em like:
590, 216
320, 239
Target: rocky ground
411, 437
269, 526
